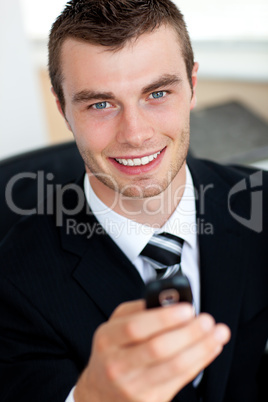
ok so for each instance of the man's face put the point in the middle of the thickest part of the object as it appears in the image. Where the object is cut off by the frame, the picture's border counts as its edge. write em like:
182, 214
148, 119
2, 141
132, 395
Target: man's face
129, 111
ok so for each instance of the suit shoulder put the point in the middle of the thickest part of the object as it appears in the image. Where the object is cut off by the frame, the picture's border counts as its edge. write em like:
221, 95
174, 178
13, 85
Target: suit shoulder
234, 191
27, 240
206, 171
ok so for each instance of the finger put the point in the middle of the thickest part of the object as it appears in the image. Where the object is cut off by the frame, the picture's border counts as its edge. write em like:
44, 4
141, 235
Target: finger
138, 327
161, 382
166, 345
187, 364
128, 308
196, 358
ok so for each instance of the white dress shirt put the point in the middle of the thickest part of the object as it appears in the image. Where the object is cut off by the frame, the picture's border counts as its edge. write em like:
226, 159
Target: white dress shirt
131, 237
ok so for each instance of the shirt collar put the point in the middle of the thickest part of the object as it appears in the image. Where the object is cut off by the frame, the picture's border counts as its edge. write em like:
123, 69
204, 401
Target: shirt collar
131, 237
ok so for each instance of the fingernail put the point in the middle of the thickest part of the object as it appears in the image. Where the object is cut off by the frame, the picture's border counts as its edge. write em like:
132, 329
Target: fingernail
184, 311
206, 322
222, 333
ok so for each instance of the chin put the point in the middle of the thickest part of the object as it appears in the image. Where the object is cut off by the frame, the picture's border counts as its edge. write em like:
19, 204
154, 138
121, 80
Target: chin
144, 190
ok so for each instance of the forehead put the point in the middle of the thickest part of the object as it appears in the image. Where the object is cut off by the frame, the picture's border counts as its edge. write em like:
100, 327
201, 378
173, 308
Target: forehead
145, 58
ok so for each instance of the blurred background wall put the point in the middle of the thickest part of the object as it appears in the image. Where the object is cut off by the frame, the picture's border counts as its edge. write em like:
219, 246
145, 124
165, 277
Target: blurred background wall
22, 117
230, 39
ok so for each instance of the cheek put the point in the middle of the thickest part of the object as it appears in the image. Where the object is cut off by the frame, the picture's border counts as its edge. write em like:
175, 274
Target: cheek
170, 122
93, 136
175, 116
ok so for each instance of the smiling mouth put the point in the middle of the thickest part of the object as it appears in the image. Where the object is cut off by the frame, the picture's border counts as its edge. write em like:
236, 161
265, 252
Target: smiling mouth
138, 161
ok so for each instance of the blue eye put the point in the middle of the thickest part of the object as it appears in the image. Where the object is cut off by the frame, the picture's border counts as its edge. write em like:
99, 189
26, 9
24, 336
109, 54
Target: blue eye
100, 105
159, 94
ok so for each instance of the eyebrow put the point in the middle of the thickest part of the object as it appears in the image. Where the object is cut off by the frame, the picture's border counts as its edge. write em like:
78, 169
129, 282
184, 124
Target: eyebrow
163, 81
87, 95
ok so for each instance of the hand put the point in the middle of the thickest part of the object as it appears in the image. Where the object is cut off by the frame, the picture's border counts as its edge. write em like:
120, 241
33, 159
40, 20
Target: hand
149, 355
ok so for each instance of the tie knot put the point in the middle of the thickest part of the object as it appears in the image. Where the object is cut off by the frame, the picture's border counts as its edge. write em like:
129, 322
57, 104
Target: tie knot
163, 250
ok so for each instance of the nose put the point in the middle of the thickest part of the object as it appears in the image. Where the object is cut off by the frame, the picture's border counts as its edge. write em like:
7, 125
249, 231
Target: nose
134, 127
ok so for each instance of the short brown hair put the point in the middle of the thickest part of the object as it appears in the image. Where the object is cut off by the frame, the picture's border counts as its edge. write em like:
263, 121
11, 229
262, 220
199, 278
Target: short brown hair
111, 23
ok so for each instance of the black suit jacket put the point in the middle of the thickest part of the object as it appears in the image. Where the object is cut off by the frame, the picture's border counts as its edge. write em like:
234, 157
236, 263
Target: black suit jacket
57, 286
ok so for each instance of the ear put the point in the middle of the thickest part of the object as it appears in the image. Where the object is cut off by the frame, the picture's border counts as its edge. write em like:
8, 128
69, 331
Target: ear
60, 108
194, 84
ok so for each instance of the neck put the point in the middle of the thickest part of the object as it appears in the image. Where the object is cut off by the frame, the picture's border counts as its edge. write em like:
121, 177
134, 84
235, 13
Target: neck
152, 211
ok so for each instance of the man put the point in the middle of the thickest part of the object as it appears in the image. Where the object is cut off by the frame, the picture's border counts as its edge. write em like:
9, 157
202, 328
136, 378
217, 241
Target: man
73, 322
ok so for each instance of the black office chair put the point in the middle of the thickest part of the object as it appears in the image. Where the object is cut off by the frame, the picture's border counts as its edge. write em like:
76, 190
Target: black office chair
20, 175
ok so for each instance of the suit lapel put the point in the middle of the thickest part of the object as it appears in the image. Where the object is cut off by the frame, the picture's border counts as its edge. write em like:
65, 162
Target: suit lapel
221, 295
102, 269
221, 271
107, 276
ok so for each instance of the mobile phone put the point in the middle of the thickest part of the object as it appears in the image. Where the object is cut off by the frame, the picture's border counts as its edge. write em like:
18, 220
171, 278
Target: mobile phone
163, 292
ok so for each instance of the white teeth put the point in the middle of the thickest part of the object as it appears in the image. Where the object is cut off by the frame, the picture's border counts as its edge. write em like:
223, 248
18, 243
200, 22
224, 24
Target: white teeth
138, 161
145, 160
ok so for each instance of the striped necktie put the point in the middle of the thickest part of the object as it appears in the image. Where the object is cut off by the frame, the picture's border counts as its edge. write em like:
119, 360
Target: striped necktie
163, 252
